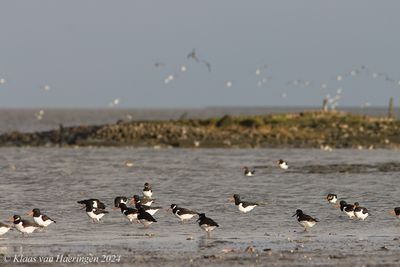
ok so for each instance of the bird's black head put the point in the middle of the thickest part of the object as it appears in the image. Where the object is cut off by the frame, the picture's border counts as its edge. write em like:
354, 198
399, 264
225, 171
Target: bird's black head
119, 200
298, 213
36, 212
173, 206
147, 186
280, 161
201, 216
356, 204
17, 219
343, 203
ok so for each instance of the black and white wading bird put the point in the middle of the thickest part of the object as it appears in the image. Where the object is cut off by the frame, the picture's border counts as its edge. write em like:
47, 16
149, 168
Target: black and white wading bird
207, 224
147, 191
331, 198
95, 213
243, 206
182, 213
348, 209
130, 213
360, 212
94, 202
305, 220
120, 199
283, 164
144, 217
39, 218
248, 172
24, 226
138, 203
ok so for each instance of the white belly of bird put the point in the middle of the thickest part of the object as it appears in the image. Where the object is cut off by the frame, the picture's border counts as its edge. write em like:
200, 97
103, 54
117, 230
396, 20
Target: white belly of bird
147, 193
249, 174
184, 217
284, 166
4, 230
333, 200
361, 215
131, 217
40, 221
349, 213
94, 216
148, 203
246, 209
307, 224
27, 230
152, 212
207, 227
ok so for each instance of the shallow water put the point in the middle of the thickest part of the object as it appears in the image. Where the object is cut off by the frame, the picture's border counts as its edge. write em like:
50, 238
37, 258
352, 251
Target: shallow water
201, 179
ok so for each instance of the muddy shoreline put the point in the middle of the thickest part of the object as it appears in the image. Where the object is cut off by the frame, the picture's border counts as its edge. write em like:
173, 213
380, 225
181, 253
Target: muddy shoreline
296, 130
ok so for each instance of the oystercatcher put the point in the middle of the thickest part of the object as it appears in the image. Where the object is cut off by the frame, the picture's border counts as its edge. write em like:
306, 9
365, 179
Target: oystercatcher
305, 220
41, 219
243, 206
182, 213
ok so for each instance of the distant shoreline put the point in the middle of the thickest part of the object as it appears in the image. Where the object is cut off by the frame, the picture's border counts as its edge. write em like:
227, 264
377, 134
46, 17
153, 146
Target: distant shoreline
310, 129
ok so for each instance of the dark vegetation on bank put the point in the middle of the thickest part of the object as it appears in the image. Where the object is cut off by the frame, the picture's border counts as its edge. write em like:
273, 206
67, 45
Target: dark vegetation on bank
300, 130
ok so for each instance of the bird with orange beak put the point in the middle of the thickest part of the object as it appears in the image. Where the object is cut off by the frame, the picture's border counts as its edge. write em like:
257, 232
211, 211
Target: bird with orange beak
24, 226
39, 218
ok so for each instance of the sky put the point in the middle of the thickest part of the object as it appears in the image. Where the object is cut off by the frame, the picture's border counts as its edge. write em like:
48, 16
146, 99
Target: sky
97, 53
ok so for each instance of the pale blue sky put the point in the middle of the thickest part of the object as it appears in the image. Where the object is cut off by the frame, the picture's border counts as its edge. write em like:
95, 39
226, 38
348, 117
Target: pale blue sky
91, 52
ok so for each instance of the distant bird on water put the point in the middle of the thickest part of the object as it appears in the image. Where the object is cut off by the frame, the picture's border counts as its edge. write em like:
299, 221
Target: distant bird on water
283, 164
360, 212
248, 172
331, 198
147, 191
243, 206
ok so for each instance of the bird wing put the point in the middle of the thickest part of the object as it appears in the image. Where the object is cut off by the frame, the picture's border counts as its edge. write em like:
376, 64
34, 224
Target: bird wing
182, 211
45, 218
246, 204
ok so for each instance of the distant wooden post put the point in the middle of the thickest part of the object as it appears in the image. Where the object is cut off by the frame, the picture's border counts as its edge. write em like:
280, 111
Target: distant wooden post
391, 109
61, 135
325, 105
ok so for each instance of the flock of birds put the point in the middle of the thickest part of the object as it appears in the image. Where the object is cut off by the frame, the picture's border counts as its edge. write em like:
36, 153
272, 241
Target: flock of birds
143, 211
334, 92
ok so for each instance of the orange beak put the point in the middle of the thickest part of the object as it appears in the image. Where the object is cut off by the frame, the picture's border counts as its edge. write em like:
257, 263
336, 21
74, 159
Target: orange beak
133, 201
29, 213
392, 212
11, 219
337, 205
231, 199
